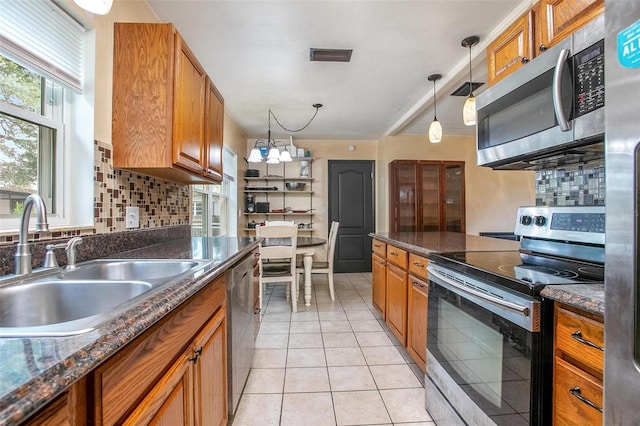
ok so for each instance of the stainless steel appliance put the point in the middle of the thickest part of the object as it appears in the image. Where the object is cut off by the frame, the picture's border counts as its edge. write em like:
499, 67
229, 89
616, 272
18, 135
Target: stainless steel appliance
550, 112
622, 284
489, 333
240, 328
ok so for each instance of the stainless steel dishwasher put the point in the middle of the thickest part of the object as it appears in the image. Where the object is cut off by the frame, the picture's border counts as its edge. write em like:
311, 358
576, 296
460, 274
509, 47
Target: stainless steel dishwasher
241, 327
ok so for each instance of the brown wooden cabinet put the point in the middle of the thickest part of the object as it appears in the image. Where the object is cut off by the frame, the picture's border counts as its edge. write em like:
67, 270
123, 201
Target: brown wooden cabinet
167, 115
68, 409
578, 367
540, 28
399, 292
417, 321
512, 49
214, 124
156, 371
560, 18
426, 196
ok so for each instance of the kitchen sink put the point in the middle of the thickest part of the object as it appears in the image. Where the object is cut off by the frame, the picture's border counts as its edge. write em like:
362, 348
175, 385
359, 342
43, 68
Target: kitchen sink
150, 270
63, 303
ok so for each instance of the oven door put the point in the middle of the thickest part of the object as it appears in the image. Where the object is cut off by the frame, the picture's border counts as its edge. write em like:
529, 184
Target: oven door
484, 353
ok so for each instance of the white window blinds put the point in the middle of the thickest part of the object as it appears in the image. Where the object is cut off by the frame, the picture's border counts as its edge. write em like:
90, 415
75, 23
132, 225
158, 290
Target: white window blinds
43, 37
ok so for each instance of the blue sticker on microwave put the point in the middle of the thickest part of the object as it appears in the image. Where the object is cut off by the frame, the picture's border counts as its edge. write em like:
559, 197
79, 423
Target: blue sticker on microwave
629, 46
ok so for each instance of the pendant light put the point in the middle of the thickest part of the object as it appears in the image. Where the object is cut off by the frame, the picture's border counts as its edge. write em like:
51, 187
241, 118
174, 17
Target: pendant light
435, 128
469, 108
99, 7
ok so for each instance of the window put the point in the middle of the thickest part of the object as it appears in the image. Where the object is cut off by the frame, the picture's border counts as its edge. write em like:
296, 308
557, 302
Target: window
213, 206
46, 113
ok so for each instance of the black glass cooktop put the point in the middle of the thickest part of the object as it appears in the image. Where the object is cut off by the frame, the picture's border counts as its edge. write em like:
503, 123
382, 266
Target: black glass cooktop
524, 272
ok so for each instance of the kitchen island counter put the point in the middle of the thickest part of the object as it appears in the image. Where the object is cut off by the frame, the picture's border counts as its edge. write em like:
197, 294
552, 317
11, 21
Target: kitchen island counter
424, 243
37, 369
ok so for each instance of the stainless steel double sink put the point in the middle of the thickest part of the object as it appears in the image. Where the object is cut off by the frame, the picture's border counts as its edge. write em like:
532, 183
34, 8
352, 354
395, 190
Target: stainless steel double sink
64, 303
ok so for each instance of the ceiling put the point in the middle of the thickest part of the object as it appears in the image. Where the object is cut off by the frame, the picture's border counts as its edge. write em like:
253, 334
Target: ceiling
257, 53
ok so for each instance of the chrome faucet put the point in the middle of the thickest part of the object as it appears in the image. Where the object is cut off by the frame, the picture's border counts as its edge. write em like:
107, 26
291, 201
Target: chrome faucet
23, 251
71, 252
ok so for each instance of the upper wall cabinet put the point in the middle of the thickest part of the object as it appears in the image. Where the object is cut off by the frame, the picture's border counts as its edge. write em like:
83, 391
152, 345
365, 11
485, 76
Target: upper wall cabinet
168, 116
541, 27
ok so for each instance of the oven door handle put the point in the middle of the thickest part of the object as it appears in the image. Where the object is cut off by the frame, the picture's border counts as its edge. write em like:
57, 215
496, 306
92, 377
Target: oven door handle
514, 307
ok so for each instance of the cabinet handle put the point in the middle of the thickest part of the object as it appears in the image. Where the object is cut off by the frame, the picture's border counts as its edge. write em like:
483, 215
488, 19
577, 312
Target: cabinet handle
419, 265
377, 245
194, 359
542, 48
256, 311
198, 351
393, 253
575, 391
577, 335
524, 60
418, 285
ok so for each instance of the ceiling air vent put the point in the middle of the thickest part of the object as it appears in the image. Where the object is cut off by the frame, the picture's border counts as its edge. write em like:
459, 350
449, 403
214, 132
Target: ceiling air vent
330, 55
464, 89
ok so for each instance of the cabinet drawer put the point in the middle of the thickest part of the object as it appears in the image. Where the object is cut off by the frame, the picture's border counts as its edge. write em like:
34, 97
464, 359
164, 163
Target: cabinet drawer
577, 336
573, 393
418, 266
397, 256
379, 248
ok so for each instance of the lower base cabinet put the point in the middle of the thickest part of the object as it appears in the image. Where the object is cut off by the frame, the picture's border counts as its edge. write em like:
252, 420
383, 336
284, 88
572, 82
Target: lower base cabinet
174, 373
190, 393
396, 302
379, 283
577, 367
417, 321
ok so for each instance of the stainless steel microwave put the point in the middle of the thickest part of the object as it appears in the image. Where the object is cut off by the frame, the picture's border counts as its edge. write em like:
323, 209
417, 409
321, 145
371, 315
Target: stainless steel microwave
549, 112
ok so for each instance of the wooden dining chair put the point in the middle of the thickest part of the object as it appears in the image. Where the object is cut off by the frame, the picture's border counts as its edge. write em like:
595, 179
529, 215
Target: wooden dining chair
278, 258
324, 267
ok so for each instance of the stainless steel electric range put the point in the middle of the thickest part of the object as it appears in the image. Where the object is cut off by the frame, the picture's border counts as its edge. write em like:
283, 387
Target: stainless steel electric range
489, 333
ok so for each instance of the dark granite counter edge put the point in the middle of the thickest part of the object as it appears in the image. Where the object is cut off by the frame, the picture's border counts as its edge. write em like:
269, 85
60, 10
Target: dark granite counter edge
26, 399
588, 297
423, 251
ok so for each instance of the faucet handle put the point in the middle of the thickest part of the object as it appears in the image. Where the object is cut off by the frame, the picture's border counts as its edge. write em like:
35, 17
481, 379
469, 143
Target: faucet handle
50, 260
71, 251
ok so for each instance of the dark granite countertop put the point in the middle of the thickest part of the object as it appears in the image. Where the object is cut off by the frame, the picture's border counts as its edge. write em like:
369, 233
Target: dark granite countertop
588, 297
35, 370
424, 243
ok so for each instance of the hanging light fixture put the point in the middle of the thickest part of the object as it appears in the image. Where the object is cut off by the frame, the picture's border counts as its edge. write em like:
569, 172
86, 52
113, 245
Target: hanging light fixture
99, 7
469, 108
435, 128
274, 155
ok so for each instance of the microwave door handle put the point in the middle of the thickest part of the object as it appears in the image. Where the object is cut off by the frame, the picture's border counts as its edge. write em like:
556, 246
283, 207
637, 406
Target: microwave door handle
558, 107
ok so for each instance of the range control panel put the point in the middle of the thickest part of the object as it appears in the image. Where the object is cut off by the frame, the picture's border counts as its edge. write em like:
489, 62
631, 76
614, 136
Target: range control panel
583, 224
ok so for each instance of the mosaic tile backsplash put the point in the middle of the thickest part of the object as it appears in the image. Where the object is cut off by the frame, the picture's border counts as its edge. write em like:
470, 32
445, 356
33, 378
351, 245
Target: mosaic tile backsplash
161, 203
576, 185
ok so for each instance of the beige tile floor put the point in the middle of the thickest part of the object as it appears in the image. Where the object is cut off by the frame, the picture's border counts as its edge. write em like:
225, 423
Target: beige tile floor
333, 363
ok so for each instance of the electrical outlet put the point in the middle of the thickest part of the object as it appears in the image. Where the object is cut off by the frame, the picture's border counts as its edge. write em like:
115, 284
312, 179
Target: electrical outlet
132, 217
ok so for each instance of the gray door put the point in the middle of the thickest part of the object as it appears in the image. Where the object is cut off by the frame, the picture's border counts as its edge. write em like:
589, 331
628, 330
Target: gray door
351, 203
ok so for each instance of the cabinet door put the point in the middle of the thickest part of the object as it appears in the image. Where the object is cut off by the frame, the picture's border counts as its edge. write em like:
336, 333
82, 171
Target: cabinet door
430, 206
417, 321
210, 387
561, 18
214, 125
453, 206
379, 282
396, 302
170, 401
188, 109
404, 206
512, 49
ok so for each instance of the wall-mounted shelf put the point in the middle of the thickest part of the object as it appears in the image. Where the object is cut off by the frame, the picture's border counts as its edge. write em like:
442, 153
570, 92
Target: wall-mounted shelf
276, 176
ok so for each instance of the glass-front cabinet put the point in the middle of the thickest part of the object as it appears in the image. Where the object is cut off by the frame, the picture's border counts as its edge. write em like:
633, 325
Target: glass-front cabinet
426, 196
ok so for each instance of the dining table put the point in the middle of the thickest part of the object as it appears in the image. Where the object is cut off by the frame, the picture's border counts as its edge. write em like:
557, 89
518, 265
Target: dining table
305, 246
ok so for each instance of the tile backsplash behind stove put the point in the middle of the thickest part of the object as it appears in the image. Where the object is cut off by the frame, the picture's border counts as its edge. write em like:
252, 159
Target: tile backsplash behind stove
573, 185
